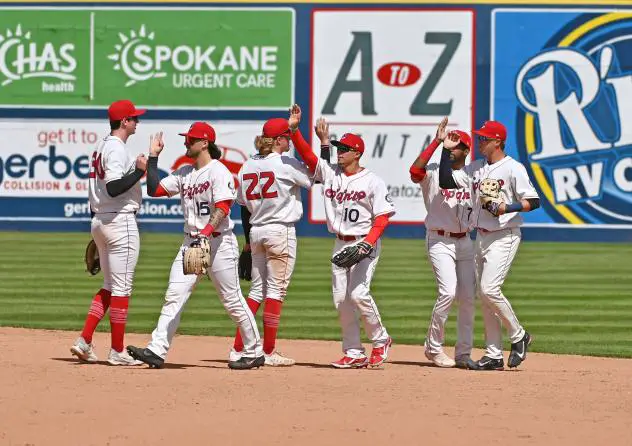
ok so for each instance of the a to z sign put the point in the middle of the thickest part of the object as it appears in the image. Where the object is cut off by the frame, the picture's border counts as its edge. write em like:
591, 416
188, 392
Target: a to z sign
391, 75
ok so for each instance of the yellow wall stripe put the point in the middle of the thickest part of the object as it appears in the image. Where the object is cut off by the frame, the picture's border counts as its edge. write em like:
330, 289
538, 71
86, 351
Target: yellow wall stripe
592, 24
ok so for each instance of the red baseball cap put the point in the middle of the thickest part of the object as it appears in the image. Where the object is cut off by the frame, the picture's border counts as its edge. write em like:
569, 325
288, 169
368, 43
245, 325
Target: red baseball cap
120, 110
276, 127
350, 141
464, 137
200, 130
492, 129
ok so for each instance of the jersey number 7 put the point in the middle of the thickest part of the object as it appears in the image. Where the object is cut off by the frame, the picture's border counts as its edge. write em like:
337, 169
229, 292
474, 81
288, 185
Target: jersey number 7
254, 180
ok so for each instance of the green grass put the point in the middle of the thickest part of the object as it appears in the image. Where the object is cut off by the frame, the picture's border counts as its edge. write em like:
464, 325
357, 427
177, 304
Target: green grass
574, 298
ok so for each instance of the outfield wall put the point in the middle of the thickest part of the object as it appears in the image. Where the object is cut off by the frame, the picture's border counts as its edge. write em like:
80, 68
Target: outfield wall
558, 76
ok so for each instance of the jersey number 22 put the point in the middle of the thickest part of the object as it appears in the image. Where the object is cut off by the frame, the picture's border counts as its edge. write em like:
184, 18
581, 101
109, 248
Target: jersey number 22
255, 180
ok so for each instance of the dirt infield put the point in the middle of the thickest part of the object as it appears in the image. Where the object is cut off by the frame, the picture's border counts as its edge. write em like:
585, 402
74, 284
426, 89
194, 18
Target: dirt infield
47, 398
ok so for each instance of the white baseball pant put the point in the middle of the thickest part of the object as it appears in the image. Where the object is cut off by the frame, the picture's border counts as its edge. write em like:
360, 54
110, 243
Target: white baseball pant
495, 252
273, 248
351, 291
223, 273
118, 242
452, 260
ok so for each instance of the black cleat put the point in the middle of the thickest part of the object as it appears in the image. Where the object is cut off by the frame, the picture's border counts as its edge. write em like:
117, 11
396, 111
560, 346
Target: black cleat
487, 363
519, 351
465, 362
247, 363
147, 356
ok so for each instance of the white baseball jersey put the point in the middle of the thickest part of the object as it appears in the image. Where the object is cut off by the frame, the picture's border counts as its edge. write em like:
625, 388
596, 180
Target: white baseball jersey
269, 186
111, 161
199, 191
514, 186
448, 209
352, 201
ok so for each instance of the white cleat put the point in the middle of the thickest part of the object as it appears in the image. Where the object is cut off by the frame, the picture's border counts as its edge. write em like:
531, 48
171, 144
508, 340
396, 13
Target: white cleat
122, 358
234, 355
84, 351
276, 359
440, 359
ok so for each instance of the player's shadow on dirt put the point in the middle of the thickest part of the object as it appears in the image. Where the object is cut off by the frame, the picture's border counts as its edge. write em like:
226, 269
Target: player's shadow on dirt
314, 365
413, 363
299, 364
168, 365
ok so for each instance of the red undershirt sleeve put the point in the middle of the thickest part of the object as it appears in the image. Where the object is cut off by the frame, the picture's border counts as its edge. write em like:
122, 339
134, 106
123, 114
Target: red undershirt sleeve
379, 225
419, 173
304, 149
160, 192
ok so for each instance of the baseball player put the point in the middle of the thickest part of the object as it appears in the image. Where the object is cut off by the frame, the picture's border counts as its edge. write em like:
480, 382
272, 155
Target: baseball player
357, 208
115, 196
450, 250
270, 196
206, 193
497, 219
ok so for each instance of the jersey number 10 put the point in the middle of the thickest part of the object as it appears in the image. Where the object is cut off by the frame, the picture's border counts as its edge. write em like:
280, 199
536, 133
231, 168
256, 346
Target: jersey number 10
255, 180
351, 215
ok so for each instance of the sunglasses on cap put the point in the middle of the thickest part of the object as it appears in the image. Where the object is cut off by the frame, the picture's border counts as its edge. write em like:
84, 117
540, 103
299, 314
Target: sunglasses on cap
190, 141
482, 138
345, 149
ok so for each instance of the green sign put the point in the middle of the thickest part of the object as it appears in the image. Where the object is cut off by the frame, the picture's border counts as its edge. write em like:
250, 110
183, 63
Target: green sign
168, 58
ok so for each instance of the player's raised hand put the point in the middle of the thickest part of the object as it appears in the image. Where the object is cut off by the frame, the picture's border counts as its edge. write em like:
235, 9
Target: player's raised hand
156, 144
451, 141
322, 130
442, 131
295, 117
141, 162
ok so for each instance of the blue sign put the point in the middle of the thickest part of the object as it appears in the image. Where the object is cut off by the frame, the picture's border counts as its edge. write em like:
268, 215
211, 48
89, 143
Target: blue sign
562, 84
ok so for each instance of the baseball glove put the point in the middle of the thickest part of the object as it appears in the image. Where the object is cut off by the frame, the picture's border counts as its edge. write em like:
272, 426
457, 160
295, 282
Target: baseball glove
490, 196
197, 257
245, 265
352, 254
93, 265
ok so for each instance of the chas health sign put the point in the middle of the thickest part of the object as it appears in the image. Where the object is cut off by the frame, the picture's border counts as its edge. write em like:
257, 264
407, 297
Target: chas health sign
562, 83
391, 76
171, 58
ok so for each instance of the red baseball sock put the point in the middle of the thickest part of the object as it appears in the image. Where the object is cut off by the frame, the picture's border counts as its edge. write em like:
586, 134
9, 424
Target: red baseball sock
118, 319
254, 307
271, 317
100, 304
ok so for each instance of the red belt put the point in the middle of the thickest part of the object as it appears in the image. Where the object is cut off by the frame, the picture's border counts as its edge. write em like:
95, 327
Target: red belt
349, 238
451, 234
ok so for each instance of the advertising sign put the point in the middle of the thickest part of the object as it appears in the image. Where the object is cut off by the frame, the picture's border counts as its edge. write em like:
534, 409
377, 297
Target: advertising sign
170, 58
391, 76
44, 164
562, 83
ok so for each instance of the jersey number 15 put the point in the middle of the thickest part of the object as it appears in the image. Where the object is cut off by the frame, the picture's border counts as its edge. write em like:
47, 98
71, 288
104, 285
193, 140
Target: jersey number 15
255, 180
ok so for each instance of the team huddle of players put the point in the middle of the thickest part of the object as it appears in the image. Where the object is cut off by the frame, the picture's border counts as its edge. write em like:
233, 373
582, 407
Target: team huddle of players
486, 195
